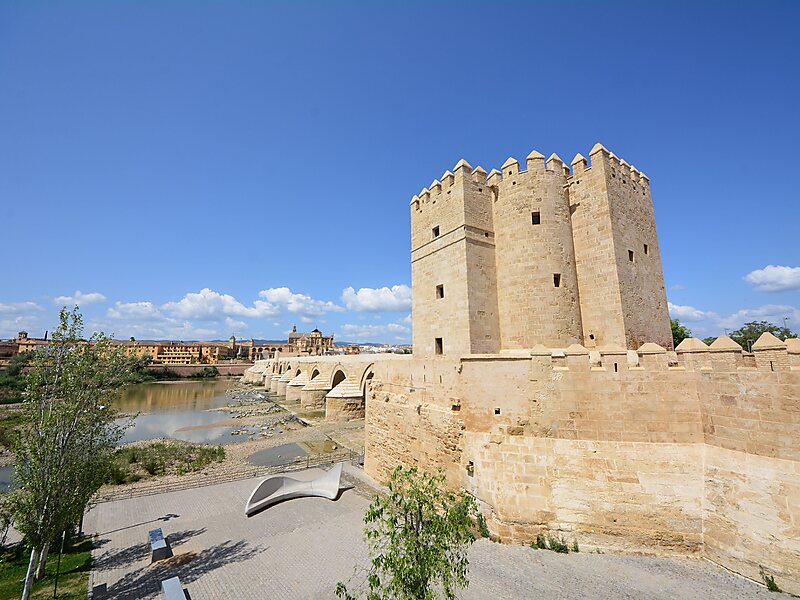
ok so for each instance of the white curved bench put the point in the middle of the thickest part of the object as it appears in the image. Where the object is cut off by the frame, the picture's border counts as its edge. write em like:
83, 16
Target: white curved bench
276, 488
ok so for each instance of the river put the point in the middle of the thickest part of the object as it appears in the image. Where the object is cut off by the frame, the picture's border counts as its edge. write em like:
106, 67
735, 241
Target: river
178, 409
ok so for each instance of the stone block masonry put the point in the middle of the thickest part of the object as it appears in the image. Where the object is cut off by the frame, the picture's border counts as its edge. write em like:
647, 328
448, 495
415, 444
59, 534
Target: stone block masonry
543, 255
650, 451
543, 380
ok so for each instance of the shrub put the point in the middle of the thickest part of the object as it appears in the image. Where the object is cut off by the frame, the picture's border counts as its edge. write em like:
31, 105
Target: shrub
159, 458
541, 544
557, 544
152, 465
482, 527
769, 580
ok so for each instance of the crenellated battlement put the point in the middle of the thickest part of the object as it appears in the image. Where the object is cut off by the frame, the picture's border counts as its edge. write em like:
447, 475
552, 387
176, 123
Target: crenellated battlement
536, 162
691, 355
554, 261
613, 166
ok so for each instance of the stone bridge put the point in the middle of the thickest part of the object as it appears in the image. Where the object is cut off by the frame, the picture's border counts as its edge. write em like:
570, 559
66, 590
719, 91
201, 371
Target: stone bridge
337, 383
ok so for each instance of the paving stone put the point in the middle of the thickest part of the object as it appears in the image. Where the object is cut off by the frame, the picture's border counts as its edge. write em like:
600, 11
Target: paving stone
301, 548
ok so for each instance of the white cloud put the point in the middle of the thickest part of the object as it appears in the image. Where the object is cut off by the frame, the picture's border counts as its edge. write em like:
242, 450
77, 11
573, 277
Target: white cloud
152, 327
678, 287
11, 326
208, 305
775, 278
80, 299
145, 320
18, 308
774, 313
221, 313
234, 325
298, 303
139, 311
687, 313
396, 298
375, 333
407, 320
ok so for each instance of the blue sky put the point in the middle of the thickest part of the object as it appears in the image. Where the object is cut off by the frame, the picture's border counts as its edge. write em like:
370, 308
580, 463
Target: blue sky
195, 169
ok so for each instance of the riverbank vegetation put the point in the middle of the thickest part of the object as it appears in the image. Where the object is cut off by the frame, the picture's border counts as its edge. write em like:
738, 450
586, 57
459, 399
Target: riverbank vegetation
174, 457
12, 381
141, 372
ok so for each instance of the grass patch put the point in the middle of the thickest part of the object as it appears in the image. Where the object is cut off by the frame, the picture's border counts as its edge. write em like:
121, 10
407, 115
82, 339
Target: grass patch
72, 580
135, 463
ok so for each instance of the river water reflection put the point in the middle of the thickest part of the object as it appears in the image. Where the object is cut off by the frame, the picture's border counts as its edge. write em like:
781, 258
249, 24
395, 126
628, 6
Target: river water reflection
178, 410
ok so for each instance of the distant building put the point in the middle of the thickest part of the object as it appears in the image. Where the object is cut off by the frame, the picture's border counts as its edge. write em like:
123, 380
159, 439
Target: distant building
313, 343
28, 344
190, 353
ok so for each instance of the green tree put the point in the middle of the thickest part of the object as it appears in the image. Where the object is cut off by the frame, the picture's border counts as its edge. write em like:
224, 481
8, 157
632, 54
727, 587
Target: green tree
68, 436
418, 535
709, 340
679, 332
748, 333
17, 363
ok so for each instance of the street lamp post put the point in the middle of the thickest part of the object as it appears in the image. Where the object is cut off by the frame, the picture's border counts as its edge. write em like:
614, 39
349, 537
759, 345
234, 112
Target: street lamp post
58, 565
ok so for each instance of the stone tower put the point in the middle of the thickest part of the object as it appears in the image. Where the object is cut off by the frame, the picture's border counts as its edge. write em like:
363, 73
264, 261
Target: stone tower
537, 256
536, 281
454, 305
620, 279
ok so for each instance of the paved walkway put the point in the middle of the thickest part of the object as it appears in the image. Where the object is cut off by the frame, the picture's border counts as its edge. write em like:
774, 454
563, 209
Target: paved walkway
301, 548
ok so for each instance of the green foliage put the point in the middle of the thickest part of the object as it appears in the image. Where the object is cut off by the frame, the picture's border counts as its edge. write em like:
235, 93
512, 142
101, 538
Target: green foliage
6, 516
205, 373
137, 370
73, 572
11, 389
17, 363
482, 527
161, 458
557, 544
9, 422
418, 535
748, 333
709, 340
554, 543
769, 580
69, 431
679, 332
163, 374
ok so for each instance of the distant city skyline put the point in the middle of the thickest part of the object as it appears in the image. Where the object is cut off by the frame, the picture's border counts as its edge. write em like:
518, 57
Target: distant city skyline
185, 171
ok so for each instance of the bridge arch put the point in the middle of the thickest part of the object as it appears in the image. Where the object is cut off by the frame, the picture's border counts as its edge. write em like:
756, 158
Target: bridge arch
366, 375
339, 375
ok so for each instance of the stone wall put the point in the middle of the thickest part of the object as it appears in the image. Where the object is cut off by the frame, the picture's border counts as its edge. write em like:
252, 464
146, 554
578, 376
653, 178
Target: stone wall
224, 368
638, 451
